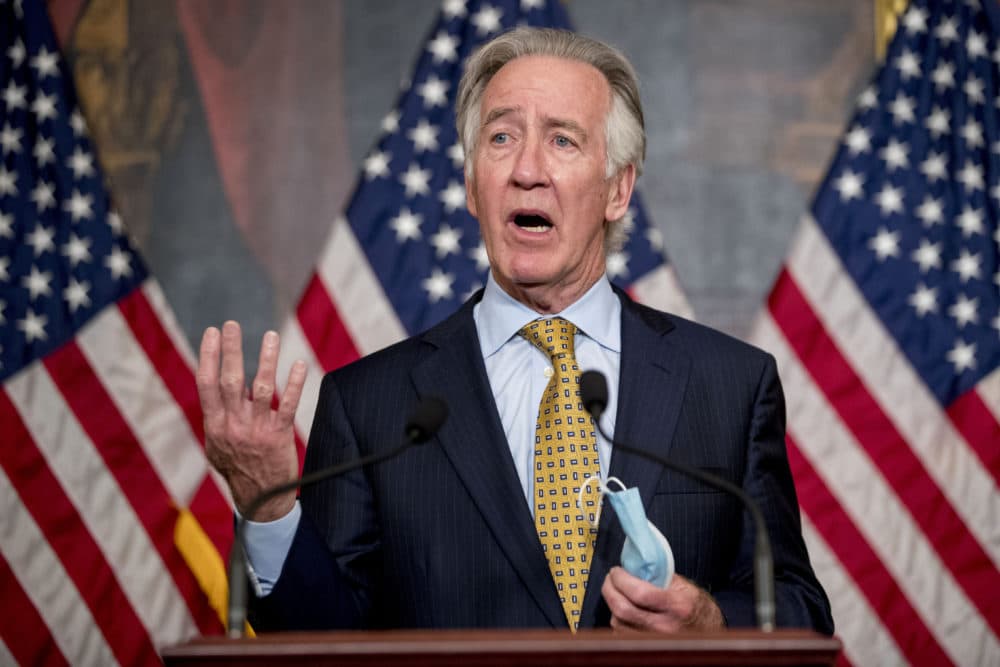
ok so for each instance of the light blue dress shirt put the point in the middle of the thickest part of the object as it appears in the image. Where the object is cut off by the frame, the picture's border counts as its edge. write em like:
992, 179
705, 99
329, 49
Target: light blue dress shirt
518, 373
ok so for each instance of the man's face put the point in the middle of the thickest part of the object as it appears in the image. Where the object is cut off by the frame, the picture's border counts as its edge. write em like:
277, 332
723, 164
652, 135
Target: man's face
538, 186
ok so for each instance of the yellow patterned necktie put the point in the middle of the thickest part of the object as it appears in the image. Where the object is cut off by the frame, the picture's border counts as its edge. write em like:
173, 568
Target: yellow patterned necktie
565, 455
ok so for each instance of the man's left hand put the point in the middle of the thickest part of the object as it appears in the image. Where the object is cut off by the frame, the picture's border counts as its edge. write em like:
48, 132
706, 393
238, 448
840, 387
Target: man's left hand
639, 605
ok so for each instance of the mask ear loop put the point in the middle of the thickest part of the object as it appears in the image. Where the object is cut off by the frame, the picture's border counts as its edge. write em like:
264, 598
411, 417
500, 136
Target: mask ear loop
601, 490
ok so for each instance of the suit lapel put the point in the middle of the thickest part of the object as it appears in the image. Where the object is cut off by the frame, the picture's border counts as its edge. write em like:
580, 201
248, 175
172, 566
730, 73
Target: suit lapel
473, 440
653, 376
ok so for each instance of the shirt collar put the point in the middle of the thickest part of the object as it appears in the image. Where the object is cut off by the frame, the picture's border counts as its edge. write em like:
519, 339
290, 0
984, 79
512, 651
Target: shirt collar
499, 316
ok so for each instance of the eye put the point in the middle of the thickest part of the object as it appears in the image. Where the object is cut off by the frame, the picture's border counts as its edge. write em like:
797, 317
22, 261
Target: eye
500, 138
563, 141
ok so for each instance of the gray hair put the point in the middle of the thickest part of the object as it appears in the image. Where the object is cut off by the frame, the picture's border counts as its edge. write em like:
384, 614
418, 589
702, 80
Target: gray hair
625, 130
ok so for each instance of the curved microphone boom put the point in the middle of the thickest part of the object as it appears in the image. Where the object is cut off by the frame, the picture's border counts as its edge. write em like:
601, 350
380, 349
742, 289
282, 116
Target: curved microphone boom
421, 425
594, 393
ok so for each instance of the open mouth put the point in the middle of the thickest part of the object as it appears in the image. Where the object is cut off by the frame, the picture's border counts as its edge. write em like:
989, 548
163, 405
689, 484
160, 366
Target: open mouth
532, 222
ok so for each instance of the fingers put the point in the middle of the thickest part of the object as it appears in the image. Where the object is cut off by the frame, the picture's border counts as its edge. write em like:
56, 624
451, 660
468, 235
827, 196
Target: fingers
637, 604
293, 392
263, 383
208, 372
232, 382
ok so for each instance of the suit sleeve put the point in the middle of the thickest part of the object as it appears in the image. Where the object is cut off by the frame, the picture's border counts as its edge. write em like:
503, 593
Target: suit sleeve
326, 580
800, 599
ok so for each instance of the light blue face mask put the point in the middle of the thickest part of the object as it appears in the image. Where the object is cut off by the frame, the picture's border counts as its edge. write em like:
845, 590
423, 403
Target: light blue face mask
646, 553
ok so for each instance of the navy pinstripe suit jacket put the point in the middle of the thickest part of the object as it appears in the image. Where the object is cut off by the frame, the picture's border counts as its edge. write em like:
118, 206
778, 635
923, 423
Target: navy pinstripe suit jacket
442, 536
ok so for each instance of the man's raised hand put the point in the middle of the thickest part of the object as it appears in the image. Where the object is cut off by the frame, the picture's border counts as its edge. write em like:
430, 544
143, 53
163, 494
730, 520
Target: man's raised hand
248, 441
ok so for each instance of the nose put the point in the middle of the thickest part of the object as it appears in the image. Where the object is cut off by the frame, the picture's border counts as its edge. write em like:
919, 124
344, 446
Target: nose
529, 166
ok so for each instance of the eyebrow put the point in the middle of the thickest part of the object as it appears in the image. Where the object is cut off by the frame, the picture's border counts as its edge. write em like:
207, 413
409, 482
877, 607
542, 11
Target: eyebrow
550, 122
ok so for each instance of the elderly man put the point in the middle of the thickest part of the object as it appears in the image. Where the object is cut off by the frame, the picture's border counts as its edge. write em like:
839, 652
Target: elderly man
475, 529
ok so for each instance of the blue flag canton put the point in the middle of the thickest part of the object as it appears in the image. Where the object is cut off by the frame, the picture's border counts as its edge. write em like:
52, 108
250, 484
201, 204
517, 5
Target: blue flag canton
911, 201
408, 211
63, 253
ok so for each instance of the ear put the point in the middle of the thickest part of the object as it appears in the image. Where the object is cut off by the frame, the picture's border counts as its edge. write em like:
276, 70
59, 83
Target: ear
620, 192
470, 200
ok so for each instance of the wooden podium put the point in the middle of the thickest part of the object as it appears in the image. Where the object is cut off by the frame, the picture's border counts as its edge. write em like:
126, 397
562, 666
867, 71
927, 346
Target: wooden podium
517, 648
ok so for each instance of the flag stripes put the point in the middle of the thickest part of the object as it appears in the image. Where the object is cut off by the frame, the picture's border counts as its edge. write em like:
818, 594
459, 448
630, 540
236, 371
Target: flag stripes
37, 570
21, 627
973, 419
876, 541
72, 535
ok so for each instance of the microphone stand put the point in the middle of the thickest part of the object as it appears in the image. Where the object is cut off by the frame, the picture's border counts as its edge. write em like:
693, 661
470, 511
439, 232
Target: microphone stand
763, 561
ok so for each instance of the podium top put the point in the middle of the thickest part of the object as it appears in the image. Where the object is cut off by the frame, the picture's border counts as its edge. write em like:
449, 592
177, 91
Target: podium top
520, 648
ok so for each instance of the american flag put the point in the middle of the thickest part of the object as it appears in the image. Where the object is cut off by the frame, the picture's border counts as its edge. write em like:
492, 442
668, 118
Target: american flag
886, 324
112, 523
407, 253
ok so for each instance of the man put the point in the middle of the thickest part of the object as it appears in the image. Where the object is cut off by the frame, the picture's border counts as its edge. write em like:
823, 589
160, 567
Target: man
476, 528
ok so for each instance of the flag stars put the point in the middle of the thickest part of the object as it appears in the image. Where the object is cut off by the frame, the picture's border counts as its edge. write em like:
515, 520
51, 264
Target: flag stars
927, 256
453, 197
947, 31
376, 165
972, 132
456, 154
895, 155
443, 48
943, 76
901, 109
858, 140
416, 180
44, 196
930, 211
965, 311
480, 257
10, 139
849, 185
76, 250
971, 176
438, 285
934, 167
44, 107
453, 9
974, 89
44, 153
41, 239
908, 65
890, 200
487, 20
975, 45
81, 163
119, 263
6, 225
655, 238
37, 283
434, 91
970, 221
45, 63
33, 326
617, 264
885, 244
4, 266
915, 21
14, 96
8, 181
390, 123
868, 99
77, 122
924, 300
967, 266
962, 356
446, 241
76, 294
115, 223
938, 122
424, 136
406, 225
16, 53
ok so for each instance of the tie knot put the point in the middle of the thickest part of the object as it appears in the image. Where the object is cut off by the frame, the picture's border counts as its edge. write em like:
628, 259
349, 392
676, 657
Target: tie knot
553, 336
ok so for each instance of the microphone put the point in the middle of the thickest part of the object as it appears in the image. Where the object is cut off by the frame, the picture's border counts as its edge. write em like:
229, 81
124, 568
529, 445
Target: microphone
421, 425
594, 392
